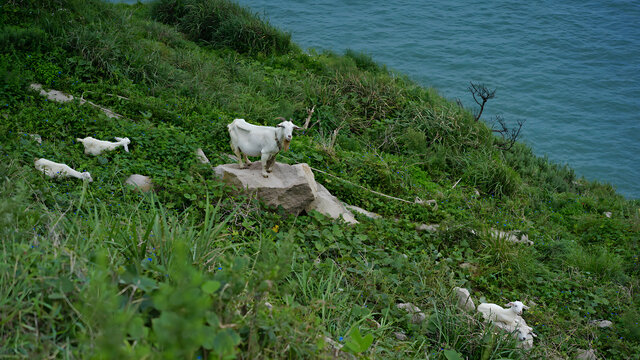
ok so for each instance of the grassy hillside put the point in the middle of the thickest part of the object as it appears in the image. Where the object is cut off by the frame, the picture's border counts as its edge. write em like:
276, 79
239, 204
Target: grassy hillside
96, 270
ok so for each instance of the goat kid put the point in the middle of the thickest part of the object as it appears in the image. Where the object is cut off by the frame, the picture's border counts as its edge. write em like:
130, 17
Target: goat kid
96, 147
54, 169
264, 141
497, 313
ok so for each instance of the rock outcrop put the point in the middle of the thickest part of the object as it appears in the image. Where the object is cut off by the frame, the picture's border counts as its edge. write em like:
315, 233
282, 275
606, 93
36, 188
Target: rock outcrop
329, 205
362, 211
291, 186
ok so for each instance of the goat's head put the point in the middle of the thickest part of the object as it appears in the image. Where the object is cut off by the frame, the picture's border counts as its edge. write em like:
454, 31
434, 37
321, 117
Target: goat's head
125, 142
86, 176
287, 134
517, 307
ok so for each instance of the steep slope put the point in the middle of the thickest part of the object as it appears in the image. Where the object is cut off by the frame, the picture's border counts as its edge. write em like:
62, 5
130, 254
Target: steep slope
191, 271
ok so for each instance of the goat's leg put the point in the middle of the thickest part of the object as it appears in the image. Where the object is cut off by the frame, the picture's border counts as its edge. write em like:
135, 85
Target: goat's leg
239, 155
246, 160
270, 163
264, 159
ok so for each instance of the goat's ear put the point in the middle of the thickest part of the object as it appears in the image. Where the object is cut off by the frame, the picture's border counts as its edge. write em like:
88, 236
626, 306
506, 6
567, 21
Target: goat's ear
533, 334
510, 304
525, 307
296, 127
280, 125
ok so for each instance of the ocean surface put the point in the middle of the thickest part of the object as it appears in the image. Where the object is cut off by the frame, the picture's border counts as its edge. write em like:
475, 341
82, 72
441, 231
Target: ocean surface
570, 69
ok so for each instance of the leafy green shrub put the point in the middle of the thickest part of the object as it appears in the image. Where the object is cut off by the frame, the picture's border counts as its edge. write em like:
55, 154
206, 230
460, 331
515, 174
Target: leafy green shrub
222, 23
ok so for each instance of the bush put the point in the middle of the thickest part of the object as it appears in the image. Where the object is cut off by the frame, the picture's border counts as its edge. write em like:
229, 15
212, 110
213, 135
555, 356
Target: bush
222, 23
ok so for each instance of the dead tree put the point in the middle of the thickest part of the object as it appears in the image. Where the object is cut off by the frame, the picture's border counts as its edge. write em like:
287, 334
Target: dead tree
481, 95
509, 135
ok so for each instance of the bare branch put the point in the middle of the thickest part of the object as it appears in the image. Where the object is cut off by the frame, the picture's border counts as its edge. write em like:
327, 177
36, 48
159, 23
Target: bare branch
509, 135
481, 95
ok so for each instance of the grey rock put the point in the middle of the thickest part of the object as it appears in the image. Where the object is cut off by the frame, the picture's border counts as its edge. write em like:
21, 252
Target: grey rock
140, 182
601, 323
53, 95
400, 336
464, 299
291, 186
329, 205
417, 316
362, 211
586, 355
201, 156
428, 227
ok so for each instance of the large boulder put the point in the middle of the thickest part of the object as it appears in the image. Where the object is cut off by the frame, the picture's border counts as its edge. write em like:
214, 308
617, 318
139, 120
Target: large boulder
329, 205
291, 186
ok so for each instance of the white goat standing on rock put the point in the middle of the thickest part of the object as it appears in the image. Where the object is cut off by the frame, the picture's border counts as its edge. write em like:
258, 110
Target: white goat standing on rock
54, 169
263, 141
96, 147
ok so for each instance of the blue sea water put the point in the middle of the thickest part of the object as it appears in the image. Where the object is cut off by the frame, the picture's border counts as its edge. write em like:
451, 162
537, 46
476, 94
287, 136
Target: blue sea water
570, 69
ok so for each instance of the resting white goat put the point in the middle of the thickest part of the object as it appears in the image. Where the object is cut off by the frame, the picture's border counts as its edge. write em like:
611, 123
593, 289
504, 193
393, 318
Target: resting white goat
54, 169
96, 147
521, 330
496, 313
263, 141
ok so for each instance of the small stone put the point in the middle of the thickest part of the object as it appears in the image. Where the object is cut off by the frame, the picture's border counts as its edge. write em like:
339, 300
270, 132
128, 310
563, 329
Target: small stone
468, 266
417, 315
53, 95
601, 323
141, 182
201, 156
400, 336
586, 355
464, 299
430, 227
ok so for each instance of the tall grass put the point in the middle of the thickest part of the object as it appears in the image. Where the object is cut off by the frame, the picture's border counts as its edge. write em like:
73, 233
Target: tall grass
222, 23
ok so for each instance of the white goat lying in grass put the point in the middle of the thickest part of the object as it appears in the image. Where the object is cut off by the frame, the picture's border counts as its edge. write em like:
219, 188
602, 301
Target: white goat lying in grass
96, 147
263, 141
496, 313
54, 169
510, 321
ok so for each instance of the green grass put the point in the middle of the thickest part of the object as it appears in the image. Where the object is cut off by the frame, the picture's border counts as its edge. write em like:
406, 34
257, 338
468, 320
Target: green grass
98, 270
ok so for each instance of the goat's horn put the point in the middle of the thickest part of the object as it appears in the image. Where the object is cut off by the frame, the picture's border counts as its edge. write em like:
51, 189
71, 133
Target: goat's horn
281, 118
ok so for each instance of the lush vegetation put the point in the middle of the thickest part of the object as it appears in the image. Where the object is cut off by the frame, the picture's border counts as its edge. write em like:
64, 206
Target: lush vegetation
97, 270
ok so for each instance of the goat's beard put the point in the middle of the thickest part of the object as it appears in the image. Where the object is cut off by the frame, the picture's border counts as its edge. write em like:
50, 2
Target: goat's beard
285, 145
